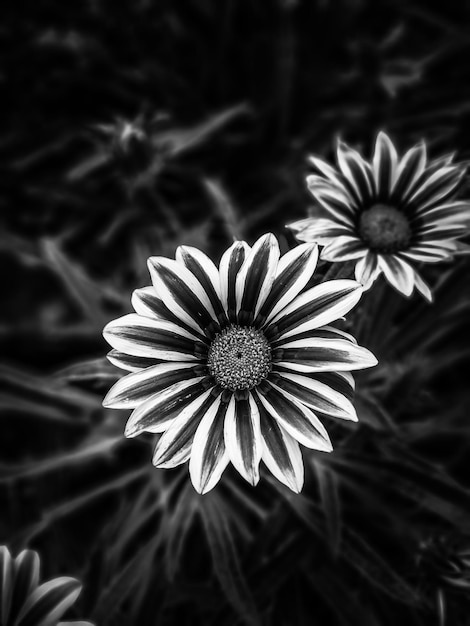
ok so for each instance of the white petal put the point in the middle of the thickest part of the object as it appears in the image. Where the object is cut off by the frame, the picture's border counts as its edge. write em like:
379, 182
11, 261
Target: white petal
293, 475
340, 333
426, 253
181, 292
318, 306
319, 230
443, 181
384, 163
327, 170
355, 171
323, 355
158, 412
422, 287
255, 278
367, 270
230, 265
209, 457
409, 170
243, 438
133, 389
294, 271
174, 446
340, 205
344, 248
328, 400
206, 273
297, 419
187, 254
152, 338
142, 300
398, 273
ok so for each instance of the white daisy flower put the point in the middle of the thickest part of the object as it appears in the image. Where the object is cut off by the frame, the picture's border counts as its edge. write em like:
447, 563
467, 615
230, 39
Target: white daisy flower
389, 215
235, 364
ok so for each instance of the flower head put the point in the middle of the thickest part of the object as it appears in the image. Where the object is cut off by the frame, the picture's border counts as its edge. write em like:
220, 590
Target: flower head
235, 363
388, 215
23, 601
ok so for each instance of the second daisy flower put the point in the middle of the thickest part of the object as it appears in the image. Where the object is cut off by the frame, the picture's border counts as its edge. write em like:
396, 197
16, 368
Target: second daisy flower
389, 215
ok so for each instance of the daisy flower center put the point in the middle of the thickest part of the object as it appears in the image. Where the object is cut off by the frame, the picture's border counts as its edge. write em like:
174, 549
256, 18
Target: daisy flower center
384, 228
239, 357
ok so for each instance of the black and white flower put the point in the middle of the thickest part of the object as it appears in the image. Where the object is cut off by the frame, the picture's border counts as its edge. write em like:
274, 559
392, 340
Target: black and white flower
236, 363
388, 215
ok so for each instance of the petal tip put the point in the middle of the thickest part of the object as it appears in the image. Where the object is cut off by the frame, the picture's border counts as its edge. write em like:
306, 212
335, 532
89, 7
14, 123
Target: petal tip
106, 402
130, 431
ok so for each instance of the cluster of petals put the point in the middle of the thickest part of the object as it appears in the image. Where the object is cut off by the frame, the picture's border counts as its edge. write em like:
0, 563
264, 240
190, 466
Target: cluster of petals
165, 348
25, 602
416, 191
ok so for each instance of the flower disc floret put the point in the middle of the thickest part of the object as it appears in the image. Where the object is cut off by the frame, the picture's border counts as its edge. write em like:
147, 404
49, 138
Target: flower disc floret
239, 358
384, 228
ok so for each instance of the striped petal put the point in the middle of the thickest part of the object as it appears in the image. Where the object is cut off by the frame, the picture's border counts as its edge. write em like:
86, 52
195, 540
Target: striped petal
425, 253
207, 274
182, 294
317, 395
298, 420
398, 273
300, 224
357, 174
281, 452
129, 362
367, 270
156, 414
324, 332
255, 278
342, 382
409, 172
458, 212
384, 165
243, 437
339, 205
319, 230
132, 390
445, 229
209, 456
344, 248
146, 302
26, 580
327, 170
294, 271
6, 583
174, 446
323, 355
436, 189
48, 602
422, 287
316, 307
230, 265
152, 338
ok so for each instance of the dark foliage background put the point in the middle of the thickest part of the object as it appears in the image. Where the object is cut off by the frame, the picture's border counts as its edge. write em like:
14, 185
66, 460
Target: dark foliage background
130, 128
